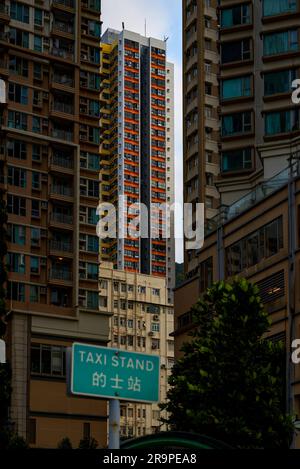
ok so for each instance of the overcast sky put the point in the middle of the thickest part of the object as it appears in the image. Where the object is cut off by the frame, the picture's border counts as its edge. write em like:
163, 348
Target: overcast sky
163, 19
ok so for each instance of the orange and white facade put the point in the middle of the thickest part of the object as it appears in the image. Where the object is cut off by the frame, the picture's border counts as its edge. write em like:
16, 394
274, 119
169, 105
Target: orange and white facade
137, 144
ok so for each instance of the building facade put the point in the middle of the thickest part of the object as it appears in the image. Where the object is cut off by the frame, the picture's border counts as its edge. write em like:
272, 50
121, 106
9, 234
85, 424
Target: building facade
259, 240
142, 322
49, 151
137, 147
244, 56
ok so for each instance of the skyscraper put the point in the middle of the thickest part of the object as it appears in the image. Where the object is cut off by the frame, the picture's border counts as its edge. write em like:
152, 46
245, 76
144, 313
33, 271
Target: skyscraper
240, 122
137, 146
49, 151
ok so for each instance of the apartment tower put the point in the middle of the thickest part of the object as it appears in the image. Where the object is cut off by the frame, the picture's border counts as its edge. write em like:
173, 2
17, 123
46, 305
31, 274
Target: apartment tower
255, 60
49, 152
137, 146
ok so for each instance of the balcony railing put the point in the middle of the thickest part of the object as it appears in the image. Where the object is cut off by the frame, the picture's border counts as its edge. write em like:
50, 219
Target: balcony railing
60, 274
62, 190
62, 246
64, 27
63, 53
62, 161
63, 79
63, 218
63, 135
63, 107
66, 3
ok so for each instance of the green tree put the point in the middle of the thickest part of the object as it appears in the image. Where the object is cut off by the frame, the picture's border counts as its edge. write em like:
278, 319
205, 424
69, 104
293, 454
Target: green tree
65, 443
230, 383
88, 443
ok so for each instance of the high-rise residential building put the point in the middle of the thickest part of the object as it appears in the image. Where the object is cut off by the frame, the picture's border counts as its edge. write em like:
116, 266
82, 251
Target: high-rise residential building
49, 152
142, 322
137, 146
251, 50
200, 108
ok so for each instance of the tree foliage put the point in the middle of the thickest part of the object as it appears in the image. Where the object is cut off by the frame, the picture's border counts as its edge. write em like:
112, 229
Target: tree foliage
230, 383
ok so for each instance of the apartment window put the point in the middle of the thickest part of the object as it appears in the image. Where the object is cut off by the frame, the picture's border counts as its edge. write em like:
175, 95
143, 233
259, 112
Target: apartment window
35, 237
237, 160
281, 122
93, 300
17, 149
38, 17
271, 8
18, 93
37, 71
18, 66
16, 263
16, 291
35, 209
89, 243
34, 265
38, 43
16, 177
236, 51
17, 120
89, 188
90, 161
130, 323
19, 12
17, 234
206, 274
236, 16
236, 123
155, 344
34, 294
36, 152
36, 124
16, 205
36, 181
279, 82
130, 340
281, 43
32, 431
236, 87
260, 245
155, 327
48, 360
19, 38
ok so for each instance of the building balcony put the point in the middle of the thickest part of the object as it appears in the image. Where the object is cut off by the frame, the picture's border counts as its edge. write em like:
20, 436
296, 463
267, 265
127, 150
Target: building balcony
60, 247
61, 134
4, 68
61, 220
57, 275
4, 37
62, 82
61, 190
63, 4
62, 163
62, 28
63, 110
62, 54
4, 13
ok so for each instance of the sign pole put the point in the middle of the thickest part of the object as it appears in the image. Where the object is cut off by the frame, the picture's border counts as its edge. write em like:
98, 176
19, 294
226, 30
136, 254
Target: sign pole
114, 424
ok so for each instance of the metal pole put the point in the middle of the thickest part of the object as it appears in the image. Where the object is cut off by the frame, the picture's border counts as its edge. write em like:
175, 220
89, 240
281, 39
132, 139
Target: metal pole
114, 424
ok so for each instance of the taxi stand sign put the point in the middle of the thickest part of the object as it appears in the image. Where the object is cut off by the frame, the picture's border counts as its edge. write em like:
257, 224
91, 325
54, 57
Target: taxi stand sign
114, 374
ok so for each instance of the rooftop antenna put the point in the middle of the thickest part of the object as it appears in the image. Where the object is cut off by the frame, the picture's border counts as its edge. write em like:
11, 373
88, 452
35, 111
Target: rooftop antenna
166, 38
145, 27
123, 25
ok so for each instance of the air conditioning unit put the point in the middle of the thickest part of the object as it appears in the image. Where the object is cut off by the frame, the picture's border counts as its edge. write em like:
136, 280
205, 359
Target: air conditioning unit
46, 15
150, 334
44, 205
43, 261
43, 290
44, 178
156, 318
